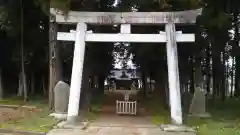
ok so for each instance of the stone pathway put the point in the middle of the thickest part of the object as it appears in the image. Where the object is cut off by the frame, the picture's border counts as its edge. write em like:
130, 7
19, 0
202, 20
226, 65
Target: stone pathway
117, 125
95, 130
126, 121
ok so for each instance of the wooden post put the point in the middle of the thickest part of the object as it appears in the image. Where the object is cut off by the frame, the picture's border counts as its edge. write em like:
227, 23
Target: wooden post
77, 71
173, 75
52, 54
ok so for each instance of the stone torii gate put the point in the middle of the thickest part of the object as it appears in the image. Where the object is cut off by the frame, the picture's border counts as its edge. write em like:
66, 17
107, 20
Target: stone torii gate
125, 19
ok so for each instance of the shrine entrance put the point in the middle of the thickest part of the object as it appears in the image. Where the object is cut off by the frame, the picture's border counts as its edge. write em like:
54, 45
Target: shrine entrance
170, 36
121, 89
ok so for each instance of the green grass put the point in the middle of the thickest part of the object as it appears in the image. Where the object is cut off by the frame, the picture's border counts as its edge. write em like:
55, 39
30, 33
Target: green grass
12, 101
95, 106
158, 114
225, 118
214, 127
38, 121
91, 115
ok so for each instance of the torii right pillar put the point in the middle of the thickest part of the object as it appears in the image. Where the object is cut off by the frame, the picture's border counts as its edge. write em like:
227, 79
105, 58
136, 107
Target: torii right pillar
173, 75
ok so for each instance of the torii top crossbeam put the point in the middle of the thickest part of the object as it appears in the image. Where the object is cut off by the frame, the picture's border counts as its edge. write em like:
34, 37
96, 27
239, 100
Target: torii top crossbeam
109, 18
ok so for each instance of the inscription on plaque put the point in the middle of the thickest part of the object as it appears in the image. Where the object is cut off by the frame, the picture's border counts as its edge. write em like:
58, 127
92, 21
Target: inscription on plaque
106, 19
163, 18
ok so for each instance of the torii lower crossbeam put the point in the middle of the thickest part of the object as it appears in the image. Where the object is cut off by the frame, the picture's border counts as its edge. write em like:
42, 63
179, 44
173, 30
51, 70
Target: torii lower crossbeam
134, 38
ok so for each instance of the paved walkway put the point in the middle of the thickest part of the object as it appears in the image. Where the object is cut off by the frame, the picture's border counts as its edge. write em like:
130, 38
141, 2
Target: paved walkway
94, 130
123, 121
117, 125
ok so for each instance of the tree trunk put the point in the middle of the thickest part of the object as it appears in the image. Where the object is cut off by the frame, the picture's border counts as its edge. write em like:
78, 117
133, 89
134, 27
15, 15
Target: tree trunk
58, 62
237, 77
1, 85
232, 78
43, 87
208, 84
52, 57
101, 83
192, 79
236, 51
32, 82
24, 82
208, 64
216, 76
25, 91
144, 84
20, 87
55, 63
167, 93
150, 82
224, 77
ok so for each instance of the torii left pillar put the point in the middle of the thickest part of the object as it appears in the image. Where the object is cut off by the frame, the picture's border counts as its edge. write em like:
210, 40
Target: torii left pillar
77, 71
173, 75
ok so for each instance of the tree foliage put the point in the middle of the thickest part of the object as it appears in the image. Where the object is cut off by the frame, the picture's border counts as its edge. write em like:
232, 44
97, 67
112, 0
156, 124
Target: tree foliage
216, 43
